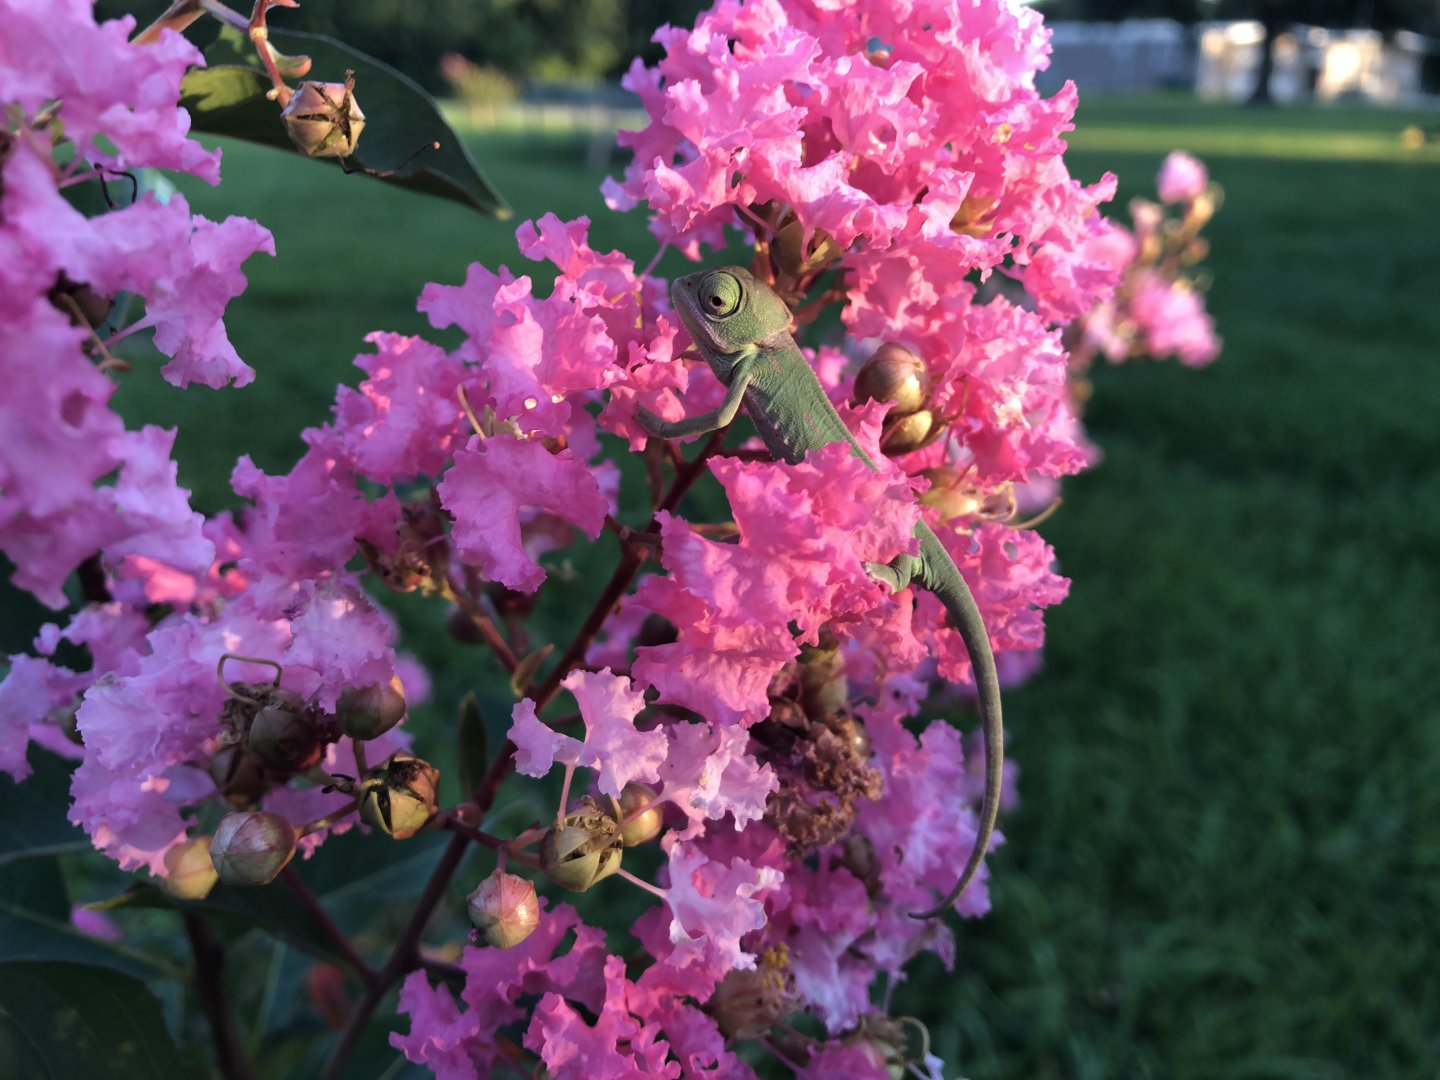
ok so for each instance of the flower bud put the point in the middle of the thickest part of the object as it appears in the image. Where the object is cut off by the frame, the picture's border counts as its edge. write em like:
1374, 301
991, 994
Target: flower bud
644, 826
82, 304
821, 674
189, 872
324, 119
398, 797
251, 848
504, 909
894, 373
282, 735
949, 494
910, 433
581, 850
367, 712
329, 996
976, 216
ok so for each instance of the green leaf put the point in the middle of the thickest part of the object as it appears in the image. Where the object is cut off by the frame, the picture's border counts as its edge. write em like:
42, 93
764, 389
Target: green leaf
228, 98
35, 925
32, 813
472, 747
64, 1020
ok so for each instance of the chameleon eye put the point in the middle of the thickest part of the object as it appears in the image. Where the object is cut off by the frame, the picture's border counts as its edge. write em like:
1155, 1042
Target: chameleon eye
719, 295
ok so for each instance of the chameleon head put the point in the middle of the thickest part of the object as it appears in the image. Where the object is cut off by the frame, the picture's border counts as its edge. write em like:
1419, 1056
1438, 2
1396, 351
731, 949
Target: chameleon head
726, 310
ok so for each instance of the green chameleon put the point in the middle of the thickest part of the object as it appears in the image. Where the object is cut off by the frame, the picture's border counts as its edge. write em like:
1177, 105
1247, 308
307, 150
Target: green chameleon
741, 328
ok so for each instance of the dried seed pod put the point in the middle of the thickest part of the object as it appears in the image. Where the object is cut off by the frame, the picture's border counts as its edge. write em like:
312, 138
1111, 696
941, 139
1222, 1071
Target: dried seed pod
583, 849
324, 119
504, 909
252, 848
398, 797
746, 1003
894, 373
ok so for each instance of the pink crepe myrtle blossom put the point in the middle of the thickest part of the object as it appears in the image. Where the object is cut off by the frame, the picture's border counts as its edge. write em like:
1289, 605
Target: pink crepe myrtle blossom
1181, 178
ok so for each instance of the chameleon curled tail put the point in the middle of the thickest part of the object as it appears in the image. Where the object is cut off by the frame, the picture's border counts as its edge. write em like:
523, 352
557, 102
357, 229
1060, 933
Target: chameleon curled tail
933, 569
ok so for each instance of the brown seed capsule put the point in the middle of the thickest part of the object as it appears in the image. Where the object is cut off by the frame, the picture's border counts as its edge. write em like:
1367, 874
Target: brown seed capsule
644, 826
252, 848
367, 712
239, 774
399, 796
504, 909
283, 735
894, 373
189, 872
324, 119
582, 850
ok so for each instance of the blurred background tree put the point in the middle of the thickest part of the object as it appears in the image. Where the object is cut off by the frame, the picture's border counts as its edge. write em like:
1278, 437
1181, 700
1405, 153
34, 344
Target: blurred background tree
538, 40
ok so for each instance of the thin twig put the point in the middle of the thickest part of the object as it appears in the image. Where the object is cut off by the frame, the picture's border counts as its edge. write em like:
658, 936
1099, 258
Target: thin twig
316, 910
455, 592
210, 988
404, 957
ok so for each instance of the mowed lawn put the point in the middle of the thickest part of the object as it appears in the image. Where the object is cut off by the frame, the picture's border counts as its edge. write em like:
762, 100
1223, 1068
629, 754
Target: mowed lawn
1226, 858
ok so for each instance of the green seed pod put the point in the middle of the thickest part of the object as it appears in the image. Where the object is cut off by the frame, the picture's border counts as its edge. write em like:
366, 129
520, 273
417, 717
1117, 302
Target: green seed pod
398, 796
190, 872
894, 373
909, 433
646, 825
581, 850
252, 848
367, 712
504, 909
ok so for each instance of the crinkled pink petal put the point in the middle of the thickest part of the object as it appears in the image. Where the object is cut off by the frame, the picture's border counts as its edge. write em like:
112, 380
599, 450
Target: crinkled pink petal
490, 484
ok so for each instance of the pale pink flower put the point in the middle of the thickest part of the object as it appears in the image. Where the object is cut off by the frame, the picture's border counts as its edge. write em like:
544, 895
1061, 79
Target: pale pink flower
1181, 178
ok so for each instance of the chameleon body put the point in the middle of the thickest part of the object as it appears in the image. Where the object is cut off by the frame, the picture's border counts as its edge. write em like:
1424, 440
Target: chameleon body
741, 328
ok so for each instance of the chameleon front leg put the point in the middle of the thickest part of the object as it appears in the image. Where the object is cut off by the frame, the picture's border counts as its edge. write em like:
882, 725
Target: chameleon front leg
740, 376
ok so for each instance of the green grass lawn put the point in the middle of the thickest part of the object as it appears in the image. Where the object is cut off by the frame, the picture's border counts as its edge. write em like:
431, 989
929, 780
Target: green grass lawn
1226, 861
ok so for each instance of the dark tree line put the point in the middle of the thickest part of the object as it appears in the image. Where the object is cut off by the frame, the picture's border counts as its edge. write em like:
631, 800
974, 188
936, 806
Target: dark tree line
528, 39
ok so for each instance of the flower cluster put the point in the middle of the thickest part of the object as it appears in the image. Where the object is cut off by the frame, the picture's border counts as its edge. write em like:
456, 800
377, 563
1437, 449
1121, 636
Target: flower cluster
1159, 309
745, 711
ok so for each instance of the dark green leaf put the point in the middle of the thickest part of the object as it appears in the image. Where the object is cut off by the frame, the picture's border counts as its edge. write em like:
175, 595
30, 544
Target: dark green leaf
32, 813
67, 1020
228, 98
35, 924
471, 748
